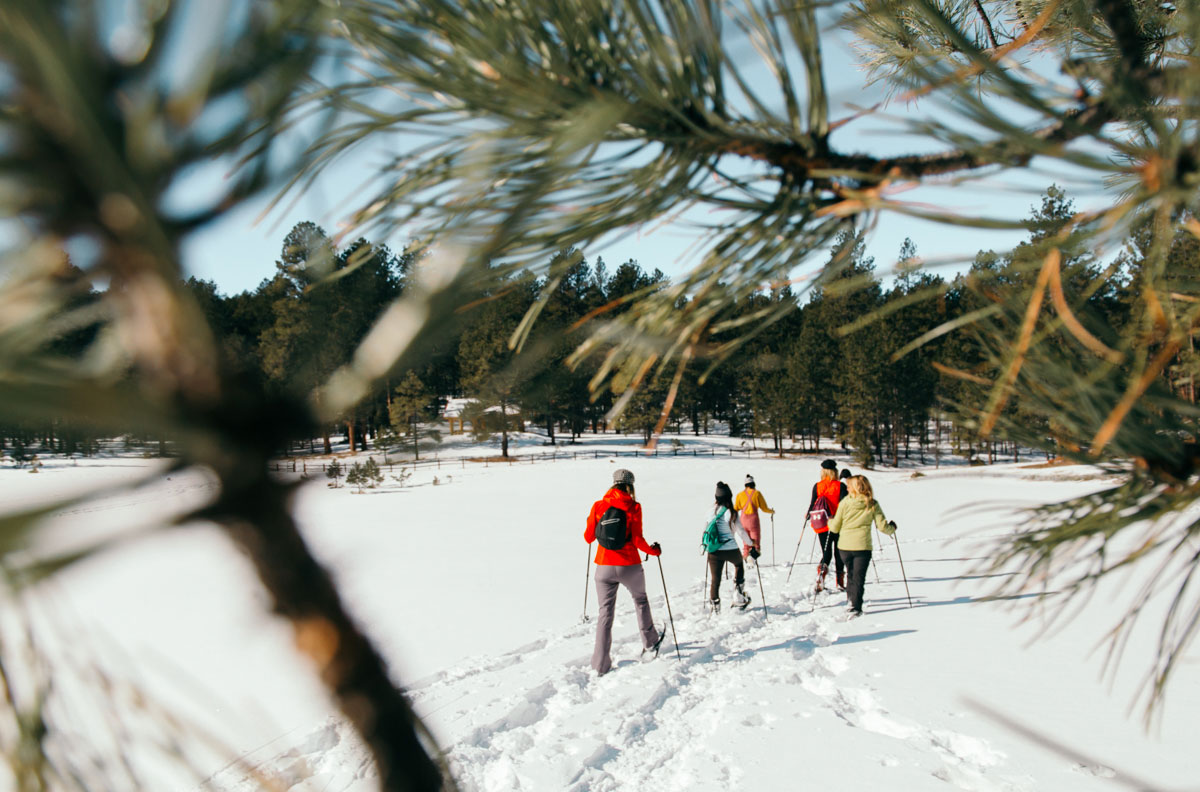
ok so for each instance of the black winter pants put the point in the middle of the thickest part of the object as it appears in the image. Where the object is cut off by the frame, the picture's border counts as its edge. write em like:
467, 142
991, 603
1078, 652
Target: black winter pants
716, 564
856, 562
828, 542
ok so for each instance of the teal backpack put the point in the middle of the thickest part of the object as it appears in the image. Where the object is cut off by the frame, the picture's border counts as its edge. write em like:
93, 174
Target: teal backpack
711, 540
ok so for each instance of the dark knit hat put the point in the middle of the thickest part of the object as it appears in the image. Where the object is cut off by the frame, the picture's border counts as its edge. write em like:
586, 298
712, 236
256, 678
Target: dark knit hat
845, 474
749, 480
622, 476
723, 491
829, 464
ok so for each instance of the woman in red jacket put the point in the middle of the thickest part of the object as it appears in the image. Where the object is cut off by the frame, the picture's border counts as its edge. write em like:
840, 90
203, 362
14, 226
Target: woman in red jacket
833, 490
615, 522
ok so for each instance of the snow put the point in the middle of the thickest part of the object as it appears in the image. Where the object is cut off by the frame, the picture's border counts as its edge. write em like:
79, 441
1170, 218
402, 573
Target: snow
473, 589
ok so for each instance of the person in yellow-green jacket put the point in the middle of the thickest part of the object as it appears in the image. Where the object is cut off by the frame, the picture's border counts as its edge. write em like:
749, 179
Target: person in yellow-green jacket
852, 525
748, 504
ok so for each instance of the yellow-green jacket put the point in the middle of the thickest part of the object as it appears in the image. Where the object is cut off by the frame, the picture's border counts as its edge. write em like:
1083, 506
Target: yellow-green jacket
853, 520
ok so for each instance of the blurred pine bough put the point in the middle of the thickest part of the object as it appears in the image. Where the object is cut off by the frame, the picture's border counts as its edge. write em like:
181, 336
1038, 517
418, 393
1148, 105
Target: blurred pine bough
536, 126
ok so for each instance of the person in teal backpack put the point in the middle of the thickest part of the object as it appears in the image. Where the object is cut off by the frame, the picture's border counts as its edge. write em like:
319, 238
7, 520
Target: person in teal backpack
723, 540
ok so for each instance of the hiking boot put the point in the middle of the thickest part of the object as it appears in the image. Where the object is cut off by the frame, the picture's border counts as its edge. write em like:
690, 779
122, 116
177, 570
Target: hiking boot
714, 606
841, 580
822, 571
741, 598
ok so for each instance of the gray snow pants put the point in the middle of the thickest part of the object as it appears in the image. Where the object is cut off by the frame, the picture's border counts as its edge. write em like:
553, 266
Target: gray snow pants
608, 578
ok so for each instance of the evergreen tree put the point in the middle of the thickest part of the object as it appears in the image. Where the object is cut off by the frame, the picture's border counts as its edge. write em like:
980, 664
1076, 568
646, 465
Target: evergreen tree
492, 374
409, 401
857, 371
334, 471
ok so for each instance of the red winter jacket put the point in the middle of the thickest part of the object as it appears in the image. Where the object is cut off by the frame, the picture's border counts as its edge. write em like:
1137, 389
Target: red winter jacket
627, 555
833, 490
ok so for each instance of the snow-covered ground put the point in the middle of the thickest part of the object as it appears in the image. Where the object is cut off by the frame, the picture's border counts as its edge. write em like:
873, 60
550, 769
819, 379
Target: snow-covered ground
473, 587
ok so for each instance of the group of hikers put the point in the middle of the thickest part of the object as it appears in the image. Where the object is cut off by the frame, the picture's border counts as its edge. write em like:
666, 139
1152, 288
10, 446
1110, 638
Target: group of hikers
841, 511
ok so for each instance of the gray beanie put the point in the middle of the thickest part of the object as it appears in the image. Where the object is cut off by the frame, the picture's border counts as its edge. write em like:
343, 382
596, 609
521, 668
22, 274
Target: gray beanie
622, 476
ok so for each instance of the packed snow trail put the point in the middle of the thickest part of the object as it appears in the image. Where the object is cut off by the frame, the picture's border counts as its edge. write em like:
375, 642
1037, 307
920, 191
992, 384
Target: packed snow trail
681, 725
752, 701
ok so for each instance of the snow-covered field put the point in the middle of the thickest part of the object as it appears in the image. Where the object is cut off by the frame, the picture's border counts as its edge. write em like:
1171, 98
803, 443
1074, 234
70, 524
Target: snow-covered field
473, 587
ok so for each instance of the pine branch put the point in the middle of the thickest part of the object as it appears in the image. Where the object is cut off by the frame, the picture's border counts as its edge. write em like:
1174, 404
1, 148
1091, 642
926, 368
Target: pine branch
1122, 21
987, 23
799, 163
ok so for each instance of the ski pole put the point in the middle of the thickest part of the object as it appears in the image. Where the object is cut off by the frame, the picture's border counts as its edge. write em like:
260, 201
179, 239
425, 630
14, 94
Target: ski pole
902, 574
880, 542
758, 572
704, 591
797, 553
772, 540
668, 601
586, 576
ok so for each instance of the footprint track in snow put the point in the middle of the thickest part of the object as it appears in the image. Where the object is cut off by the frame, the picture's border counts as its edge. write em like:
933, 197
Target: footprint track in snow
655, 727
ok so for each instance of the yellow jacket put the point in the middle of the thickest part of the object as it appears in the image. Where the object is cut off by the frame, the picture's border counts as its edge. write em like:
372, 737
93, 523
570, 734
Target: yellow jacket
750, 500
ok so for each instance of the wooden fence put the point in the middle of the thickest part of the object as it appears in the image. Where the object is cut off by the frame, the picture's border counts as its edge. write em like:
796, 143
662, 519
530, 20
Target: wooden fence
297, 465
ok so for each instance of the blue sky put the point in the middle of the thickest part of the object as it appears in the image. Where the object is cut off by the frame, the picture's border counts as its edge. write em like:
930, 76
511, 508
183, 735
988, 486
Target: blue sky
239, 251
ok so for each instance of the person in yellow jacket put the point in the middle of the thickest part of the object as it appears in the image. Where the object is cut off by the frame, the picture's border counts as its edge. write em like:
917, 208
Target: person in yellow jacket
852, 526
748, 504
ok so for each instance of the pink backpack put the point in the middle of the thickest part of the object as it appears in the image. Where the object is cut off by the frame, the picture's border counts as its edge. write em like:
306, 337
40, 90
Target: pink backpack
818, 518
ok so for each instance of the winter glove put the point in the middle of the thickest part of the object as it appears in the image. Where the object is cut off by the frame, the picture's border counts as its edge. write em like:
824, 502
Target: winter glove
754, 553
656, 549
892, 524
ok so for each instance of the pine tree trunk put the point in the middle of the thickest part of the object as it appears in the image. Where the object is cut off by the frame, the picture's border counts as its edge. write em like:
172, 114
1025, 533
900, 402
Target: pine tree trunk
504, 429
328, 446
895, 445
937, 442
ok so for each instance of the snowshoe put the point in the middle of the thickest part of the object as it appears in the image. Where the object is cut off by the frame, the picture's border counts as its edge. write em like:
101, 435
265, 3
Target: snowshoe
853, 614
714, 606
822, 571
741, 599
651, 652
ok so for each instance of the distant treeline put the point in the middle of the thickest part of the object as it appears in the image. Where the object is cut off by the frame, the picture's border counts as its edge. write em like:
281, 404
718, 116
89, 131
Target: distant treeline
841, 364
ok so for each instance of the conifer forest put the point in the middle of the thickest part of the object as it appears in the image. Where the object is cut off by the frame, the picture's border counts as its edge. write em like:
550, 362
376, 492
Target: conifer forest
519, 135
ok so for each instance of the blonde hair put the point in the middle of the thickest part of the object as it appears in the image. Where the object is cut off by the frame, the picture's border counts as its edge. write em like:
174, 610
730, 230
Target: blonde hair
828, 475
859, 485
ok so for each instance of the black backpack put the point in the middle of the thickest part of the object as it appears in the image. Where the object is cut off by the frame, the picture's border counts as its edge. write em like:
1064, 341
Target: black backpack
612, 531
